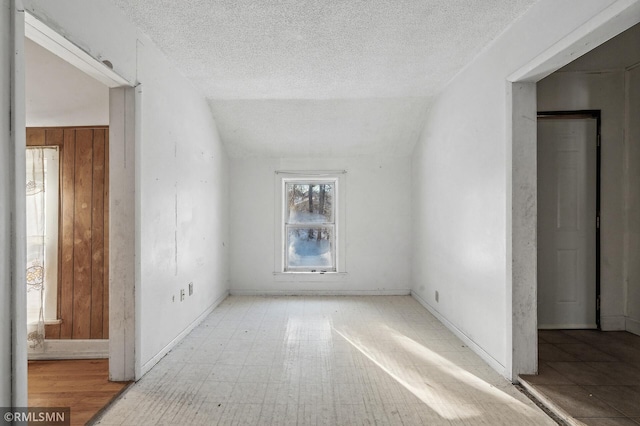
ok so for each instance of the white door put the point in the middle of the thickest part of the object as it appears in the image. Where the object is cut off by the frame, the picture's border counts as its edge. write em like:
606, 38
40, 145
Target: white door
567, 184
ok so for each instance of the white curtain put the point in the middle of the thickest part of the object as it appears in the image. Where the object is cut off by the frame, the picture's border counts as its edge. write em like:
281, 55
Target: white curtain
42, 241
36, 230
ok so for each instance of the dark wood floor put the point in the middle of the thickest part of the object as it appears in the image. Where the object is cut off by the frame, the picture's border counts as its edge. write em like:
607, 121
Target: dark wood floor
589, 375
83, 385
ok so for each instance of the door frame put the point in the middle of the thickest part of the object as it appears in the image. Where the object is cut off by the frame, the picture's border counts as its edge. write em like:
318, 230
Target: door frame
123, 142
122, 206
587, 114
522, 336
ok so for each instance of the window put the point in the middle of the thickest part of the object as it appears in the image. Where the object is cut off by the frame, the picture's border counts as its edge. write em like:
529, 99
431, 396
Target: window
310, 225
310, 229
42, 165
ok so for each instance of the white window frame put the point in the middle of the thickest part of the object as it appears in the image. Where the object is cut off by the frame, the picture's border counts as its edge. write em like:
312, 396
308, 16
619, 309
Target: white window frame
286, 226
52, 242
337, 178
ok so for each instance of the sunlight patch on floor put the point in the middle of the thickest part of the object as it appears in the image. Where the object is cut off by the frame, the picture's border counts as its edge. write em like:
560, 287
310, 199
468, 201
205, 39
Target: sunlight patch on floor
437, 394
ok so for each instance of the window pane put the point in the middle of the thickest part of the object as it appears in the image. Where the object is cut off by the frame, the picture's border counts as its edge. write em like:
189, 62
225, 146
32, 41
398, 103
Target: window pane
310, 203
310, 247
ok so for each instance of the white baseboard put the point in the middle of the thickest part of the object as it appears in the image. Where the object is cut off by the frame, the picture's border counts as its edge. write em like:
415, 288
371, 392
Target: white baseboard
153, 361
632, 326
298, 292
72, 349
486, 357
612, 323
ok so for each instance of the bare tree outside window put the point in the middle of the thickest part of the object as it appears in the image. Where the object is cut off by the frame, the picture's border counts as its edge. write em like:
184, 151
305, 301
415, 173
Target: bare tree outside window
310, 226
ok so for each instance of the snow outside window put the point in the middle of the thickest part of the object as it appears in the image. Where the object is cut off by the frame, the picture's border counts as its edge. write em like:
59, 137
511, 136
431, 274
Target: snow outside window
310, 225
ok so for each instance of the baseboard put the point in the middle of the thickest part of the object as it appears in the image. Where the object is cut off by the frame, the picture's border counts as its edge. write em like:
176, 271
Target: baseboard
612, 323
567, 327
72, 349
153, 361
298, 292
632, 325
486, 357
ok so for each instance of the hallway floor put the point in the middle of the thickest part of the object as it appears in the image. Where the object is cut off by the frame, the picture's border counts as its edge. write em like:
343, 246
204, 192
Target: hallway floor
81, 384
589, 376
322, 360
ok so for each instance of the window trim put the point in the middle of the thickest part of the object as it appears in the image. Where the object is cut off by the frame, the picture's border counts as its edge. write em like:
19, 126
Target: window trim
283, 177
286, 226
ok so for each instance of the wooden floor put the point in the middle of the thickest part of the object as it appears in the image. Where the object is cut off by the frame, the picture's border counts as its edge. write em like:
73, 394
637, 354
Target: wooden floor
588, 376
83, 385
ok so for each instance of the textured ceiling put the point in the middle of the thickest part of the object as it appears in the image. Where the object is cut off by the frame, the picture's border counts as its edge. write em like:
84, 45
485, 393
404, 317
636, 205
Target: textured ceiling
320, 128
320, 50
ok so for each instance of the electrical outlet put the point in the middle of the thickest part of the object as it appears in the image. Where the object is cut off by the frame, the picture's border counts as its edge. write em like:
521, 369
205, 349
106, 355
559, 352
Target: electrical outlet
437, 296
181, 294
190, 289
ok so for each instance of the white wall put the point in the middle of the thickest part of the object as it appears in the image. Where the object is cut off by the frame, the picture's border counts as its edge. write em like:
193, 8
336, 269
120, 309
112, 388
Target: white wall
184, 205
632, 171
376, 228
462, 185
605, 91
183, 175
59, 94
6, 157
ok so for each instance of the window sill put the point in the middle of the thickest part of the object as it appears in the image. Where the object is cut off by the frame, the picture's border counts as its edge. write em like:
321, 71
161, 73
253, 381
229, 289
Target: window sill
310, 276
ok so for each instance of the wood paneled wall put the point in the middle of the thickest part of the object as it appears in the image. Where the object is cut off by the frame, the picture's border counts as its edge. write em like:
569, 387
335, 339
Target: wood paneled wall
83, 250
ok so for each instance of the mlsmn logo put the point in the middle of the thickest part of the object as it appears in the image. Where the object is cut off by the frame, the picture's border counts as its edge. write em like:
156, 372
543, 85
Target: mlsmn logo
50, 416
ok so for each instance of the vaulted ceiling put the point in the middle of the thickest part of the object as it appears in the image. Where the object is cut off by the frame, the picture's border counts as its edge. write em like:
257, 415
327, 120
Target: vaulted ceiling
323, 78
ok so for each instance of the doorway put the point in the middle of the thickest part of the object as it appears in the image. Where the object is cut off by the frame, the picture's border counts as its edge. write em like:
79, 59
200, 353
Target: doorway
76, 284
67, 112
522, 113
568, 219
91, 112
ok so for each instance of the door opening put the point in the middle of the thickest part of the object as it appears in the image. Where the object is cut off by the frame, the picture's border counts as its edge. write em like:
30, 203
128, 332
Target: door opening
569, 219
84, 114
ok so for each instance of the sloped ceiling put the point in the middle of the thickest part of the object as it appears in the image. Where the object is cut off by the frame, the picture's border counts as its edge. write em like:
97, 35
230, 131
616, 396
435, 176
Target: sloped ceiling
332, 78
620, 52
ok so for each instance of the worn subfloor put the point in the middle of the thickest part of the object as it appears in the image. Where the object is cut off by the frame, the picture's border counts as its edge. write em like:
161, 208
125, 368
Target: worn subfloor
591, 377
322, 360
82, 385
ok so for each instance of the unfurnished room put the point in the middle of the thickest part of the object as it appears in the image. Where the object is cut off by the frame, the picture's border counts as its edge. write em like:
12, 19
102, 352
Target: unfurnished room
335, 213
